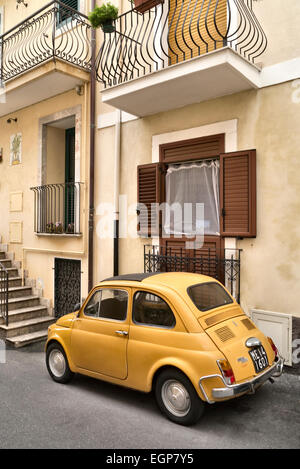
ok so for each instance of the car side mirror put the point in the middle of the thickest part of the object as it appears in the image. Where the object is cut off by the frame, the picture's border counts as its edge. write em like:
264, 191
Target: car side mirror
77, 307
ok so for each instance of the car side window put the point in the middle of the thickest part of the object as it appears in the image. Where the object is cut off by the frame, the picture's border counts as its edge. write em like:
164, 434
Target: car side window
114, 304
108, 304
92, 308
151, 310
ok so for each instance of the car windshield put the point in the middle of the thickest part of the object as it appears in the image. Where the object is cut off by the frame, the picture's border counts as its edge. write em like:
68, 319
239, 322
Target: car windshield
208, 296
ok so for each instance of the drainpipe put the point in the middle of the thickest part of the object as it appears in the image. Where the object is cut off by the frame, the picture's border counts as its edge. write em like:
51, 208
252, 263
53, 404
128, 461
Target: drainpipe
92, 157
117, 190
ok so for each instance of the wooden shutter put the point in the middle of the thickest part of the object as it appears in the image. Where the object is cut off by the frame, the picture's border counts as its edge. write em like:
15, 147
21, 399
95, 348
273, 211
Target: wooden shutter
196, 29
71, 3
192, 149
148, 193
238, 193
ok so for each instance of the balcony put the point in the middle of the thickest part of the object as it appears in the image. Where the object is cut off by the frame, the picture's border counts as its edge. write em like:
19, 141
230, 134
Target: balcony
57, 209
45, 55
180, 52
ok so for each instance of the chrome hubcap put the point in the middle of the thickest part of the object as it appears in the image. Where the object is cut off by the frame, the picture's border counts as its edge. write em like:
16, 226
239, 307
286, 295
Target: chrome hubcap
176, 398
57, 363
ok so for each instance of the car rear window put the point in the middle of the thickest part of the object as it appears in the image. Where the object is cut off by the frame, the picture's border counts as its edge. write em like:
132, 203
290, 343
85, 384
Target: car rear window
208, 296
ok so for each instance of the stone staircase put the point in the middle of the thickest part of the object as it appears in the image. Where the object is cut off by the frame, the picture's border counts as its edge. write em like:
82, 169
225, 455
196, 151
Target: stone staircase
28, 312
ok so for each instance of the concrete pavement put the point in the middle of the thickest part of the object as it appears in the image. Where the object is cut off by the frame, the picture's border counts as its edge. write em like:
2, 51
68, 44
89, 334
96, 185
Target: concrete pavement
36, 412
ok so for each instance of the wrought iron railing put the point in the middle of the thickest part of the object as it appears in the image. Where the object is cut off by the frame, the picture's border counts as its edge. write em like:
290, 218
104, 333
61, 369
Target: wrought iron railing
4, 285
57, 208
226, 269
56, 31
175, 31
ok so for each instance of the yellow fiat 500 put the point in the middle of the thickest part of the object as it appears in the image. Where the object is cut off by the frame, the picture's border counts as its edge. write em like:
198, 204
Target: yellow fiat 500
181, 335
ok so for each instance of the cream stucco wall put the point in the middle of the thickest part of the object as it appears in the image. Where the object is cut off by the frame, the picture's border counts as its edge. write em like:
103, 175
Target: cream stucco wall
268, 120
38, 252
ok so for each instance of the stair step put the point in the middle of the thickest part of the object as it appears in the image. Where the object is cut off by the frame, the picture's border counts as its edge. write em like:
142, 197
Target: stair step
6, 263
12, 282
26, 339
16, 292
23, 302
26, 326
12, 272
27, 313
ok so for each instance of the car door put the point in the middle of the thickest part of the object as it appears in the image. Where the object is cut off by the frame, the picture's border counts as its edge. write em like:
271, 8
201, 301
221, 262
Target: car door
100, 333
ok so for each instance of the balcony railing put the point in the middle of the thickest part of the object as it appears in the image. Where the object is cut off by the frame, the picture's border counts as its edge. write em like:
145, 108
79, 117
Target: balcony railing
57, 208
225, 269
56, 31
176, 31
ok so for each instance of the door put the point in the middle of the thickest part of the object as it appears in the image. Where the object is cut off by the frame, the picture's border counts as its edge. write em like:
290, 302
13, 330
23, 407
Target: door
67, 284
70, 201
100, 334
191, 238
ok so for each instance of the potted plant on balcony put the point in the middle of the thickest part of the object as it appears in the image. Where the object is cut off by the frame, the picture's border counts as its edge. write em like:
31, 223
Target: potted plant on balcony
103, 17
143, 5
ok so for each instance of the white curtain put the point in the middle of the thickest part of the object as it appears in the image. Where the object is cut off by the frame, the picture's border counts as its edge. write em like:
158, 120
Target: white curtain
195, 184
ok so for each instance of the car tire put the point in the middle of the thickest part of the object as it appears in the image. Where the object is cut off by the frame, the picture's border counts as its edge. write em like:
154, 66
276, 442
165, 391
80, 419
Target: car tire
57, 364
177, 399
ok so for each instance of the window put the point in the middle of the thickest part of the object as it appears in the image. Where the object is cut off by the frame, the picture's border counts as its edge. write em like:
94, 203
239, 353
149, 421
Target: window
150, 309
64, 12
209, 296
193, 184
114, 305
92, 308
108, 304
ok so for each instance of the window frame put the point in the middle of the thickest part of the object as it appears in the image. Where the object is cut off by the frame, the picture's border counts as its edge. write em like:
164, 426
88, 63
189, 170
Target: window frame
214, 307
85, 316
156, 326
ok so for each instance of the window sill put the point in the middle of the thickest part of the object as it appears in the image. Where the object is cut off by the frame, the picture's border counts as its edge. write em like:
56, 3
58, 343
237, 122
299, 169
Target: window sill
60, 235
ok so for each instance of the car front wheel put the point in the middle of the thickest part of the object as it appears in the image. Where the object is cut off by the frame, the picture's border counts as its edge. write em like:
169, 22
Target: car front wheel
177, 398
57, 364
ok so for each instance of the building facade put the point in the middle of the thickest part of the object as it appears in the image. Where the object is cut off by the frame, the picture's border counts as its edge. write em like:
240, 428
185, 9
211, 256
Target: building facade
186, 92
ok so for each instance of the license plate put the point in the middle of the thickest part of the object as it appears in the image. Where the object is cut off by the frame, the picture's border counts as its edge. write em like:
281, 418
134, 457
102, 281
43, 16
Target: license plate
259, 358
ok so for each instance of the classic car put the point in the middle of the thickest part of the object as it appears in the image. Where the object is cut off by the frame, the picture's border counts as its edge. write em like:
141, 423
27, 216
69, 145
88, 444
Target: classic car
180, 335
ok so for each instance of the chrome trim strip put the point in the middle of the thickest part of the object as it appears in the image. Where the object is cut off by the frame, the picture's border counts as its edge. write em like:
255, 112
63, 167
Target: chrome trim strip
246, 387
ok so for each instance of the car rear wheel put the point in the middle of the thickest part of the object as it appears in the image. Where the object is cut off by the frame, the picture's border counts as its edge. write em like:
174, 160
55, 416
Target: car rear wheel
177, 398
57, 364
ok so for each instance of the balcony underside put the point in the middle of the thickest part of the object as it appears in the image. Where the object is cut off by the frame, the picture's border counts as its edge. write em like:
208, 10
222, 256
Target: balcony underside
219, 73
42, 82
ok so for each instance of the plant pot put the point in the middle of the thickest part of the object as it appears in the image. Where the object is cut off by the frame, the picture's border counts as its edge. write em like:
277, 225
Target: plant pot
143, 5
108, 27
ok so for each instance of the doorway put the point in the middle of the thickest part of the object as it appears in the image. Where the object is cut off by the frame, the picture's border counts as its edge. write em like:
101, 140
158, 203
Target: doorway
190, 177
67, 285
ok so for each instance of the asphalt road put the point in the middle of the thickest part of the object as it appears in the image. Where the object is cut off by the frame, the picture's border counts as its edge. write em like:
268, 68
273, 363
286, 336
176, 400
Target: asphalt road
36, 412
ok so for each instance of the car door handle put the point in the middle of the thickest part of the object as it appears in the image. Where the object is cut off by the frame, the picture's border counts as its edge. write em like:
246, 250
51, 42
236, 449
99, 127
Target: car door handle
121, 332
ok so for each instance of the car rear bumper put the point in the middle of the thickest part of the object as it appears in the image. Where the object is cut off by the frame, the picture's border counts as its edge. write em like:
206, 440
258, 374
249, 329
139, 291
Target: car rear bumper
230, 391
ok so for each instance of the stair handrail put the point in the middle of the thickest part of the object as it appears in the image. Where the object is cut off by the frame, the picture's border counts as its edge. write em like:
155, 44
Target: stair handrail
4, 285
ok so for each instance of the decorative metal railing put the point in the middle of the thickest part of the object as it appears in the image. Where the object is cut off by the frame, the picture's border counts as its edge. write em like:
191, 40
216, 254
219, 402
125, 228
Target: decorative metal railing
57, 208
225, 269
4, 285
175, 31
56, 31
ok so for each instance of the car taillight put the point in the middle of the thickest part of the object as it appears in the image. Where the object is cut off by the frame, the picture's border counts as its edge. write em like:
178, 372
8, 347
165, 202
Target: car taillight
227, 371
274, 348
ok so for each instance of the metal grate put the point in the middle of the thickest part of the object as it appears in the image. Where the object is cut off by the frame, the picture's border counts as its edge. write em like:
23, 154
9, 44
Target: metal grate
226, 270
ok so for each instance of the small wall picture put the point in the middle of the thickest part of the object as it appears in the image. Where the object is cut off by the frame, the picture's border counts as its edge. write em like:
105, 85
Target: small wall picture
16, 149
